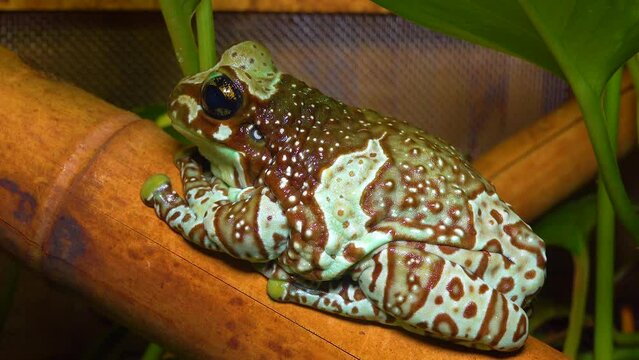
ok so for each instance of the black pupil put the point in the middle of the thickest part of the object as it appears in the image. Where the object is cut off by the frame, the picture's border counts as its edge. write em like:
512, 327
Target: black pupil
221, 97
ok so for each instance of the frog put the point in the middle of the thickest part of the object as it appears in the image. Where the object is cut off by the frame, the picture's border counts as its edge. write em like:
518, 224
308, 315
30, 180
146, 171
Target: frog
345, 210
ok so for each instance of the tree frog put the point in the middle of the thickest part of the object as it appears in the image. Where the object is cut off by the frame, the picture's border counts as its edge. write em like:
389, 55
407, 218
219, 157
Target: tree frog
346, 210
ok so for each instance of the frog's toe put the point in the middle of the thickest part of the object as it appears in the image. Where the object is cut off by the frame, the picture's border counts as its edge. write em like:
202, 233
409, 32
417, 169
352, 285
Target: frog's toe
184, 154
277, 289
153, 185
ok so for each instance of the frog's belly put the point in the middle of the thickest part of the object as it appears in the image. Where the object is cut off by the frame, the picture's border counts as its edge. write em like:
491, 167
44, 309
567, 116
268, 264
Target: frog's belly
339, 197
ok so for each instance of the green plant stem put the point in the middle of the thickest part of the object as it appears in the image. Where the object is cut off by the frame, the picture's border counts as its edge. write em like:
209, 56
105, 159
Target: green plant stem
152, 352
205, 34
618, 354
10, 281
606, 158
626, 339
177, 15
581, 265
633, 67
605, 236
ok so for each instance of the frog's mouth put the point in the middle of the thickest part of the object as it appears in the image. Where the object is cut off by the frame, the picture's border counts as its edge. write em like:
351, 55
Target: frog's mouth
226, 164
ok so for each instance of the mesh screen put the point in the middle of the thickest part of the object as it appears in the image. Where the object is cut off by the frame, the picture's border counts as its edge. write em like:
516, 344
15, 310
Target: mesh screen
471, 96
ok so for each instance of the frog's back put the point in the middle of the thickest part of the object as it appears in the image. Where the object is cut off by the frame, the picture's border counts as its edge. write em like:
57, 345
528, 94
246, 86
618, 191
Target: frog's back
362, 180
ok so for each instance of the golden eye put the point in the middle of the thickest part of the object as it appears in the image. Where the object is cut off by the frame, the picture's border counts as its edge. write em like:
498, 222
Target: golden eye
221, 97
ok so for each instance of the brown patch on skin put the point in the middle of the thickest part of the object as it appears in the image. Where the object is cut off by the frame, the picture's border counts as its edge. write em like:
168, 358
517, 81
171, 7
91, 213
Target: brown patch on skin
497, 216
236, 301
483, 264
513, 230
483, 288
522, 328
505, 285
493, 246
470, 310
502, 324
468, 263
422, 325
442, 319
448, 250
377, 270
175, 215
352, 253
354, 310
359, 295
455, 289
488, 317
26, 205
439, 300
530, 274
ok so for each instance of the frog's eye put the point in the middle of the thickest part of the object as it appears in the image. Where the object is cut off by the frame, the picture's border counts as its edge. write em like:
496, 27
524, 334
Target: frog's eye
221, 97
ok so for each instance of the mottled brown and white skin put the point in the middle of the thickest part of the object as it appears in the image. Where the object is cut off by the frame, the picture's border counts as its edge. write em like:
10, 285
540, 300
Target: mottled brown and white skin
346, 210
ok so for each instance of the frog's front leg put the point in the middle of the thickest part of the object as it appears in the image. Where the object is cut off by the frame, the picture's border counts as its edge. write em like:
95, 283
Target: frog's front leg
428, 292
244, 223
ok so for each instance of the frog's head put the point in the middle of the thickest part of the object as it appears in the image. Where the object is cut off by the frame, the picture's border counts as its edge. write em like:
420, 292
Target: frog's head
215, 109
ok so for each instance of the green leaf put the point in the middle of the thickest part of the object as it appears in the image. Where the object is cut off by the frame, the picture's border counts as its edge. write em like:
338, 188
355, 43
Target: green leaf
569, 225
590, 39
499, 24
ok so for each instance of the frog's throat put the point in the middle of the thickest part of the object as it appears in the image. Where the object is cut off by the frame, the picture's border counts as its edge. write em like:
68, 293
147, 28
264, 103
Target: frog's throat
226, 163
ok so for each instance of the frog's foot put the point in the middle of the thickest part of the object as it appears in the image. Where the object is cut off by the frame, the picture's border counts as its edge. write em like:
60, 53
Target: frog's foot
427, 292
342, 297
158, 193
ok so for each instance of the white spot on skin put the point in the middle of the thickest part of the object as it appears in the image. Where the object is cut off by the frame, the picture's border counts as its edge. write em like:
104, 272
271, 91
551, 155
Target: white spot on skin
190, 104
222, 133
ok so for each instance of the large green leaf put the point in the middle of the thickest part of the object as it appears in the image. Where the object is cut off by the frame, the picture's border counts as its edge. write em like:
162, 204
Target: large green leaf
499, 24
590, 39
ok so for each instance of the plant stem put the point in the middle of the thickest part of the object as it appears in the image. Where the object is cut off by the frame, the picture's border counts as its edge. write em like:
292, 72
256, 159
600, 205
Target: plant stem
618, 354
633, 66
626, 339
177, 15
152, 352
205, 34
605, 235
581, 265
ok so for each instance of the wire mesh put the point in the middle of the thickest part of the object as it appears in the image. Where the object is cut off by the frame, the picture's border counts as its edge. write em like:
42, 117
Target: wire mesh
471, 96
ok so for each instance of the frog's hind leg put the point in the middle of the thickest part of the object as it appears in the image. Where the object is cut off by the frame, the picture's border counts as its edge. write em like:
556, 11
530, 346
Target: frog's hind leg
342, 297
432, 294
